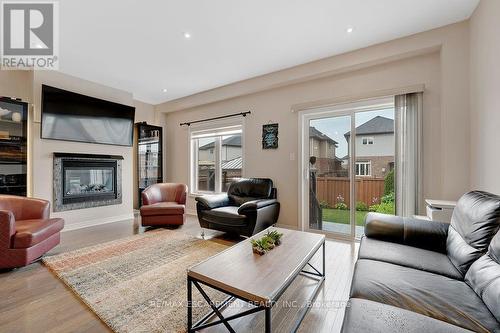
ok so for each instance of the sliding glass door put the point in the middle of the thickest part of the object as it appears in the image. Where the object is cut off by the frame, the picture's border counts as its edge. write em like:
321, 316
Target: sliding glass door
329, 174
349, 165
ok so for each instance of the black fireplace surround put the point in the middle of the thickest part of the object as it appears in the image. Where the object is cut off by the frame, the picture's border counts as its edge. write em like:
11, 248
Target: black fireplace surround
86, 180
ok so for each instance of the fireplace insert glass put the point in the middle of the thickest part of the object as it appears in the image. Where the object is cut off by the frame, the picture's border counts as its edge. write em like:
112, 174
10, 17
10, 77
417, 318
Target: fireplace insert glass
88, 181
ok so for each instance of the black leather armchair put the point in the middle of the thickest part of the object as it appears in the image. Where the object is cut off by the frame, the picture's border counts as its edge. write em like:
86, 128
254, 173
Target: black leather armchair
249, 206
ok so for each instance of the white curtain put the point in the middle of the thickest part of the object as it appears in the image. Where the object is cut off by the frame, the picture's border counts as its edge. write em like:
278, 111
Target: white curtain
408, 116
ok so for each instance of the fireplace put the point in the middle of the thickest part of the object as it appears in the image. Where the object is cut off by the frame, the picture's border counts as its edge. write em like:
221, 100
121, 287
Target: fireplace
84, 181
88, 180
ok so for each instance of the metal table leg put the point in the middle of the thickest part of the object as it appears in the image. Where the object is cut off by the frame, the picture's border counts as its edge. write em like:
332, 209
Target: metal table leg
268, 320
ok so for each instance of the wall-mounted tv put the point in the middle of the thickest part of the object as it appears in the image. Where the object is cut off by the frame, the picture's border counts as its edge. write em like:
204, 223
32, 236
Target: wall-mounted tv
74, 117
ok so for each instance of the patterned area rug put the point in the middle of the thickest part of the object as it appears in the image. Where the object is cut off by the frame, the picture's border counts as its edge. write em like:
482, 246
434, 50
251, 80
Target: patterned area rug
137, 284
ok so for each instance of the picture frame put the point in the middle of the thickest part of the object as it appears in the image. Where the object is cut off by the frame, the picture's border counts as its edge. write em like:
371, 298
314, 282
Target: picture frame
270, 136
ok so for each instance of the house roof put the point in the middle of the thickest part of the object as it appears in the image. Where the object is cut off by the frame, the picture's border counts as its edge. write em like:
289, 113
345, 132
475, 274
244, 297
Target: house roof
377, 125
314, 133
234, 164
234, 141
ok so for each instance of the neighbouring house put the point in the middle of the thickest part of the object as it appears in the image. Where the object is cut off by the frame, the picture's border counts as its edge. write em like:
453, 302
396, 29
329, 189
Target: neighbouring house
323, 148
231, 158
374, 147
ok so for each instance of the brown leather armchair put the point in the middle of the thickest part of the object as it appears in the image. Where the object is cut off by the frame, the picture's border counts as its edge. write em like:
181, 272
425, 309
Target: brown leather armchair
26, 230
163, 204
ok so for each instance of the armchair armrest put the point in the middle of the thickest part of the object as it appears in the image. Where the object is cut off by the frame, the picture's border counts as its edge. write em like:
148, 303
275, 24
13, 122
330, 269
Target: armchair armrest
213, 201
423, 234
7, 228
255, 204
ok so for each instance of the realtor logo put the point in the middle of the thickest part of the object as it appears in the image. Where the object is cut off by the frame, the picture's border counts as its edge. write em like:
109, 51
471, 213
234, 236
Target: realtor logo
29, 35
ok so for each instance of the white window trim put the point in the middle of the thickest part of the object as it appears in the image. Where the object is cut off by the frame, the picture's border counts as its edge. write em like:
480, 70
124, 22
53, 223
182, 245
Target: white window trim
368, 140
193, 152
367, 163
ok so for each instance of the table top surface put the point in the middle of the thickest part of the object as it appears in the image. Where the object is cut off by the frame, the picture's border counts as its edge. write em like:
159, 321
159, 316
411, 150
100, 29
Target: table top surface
259, 278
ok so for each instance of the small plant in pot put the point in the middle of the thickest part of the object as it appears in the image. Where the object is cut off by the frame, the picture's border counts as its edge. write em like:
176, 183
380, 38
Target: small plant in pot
275, 236
267, 242
260, 246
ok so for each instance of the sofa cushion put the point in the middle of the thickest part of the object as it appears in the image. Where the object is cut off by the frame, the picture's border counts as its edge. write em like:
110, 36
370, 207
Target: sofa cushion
428, 235
225, 215
484, 277
475, 220
368, 316
31, 232
408, 256
433, 295
162, 208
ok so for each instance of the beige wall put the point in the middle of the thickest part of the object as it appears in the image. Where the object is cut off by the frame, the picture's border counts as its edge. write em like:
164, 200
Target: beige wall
27, 85
485, 96
438, 59
275, 105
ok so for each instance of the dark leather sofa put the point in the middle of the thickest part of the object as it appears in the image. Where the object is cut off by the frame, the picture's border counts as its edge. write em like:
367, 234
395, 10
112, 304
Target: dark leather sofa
249, 206
420, 276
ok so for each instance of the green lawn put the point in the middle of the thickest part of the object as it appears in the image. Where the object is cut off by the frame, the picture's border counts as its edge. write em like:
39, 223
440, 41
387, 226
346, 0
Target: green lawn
342, 216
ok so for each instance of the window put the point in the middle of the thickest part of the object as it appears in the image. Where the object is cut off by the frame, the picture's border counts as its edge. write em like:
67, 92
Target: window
367, 141
216, 158
363, 168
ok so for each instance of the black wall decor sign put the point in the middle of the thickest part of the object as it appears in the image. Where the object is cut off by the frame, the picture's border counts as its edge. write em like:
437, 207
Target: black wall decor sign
270, 136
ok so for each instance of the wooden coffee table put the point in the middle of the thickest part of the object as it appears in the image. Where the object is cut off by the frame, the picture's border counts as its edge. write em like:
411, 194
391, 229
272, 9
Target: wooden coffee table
258, 280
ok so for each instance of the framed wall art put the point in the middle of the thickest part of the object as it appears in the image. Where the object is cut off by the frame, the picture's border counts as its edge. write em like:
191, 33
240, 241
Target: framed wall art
270, 136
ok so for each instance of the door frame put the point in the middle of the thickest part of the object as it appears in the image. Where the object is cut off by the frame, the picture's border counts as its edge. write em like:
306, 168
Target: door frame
327, 111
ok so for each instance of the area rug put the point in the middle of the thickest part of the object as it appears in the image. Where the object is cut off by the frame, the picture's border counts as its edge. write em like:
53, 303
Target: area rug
137, 284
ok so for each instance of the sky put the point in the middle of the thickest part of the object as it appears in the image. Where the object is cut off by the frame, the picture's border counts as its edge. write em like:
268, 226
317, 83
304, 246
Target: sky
336, 127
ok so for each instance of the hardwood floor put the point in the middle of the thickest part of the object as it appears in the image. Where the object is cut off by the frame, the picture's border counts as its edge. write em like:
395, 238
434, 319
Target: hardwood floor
32, 299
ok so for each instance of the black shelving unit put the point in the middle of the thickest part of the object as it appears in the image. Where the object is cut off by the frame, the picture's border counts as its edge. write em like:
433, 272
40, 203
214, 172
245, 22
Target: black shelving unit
13, 146
149, 156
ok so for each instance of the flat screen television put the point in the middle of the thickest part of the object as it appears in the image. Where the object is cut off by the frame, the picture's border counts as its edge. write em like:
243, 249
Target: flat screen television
74, 117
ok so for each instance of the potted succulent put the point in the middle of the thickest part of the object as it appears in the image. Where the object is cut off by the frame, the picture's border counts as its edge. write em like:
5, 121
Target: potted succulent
275, 236
260, 246
267, 242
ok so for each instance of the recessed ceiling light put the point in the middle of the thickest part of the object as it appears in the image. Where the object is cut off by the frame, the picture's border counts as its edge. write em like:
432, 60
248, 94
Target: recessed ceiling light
164, 89
349, 30
187, 35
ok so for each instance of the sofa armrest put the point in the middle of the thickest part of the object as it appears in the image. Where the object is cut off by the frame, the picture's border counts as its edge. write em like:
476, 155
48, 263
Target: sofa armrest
255, 204
213, 200
423, 234
7, 228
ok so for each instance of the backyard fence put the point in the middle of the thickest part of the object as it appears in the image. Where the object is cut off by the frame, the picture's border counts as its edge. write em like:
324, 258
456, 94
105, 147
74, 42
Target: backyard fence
333, 190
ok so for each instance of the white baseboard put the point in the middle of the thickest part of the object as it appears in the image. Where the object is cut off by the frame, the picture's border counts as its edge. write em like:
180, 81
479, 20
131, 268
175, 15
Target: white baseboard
99, 221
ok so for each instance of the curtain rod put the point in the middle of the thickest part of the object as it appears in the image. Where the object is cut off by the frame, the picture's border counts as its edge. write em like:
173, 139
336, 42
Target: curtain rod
243, 114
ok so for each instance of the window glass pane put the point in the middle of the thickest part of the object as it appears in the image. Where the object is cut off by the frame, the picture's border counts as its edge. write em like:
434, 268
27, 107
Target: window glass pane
206, 164
232, 160
375, 190
219, 158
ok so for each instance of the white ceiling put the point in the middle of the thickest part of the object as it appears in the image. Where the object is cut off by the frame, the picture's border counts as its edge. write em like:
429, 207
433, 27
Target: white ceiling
139, 46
